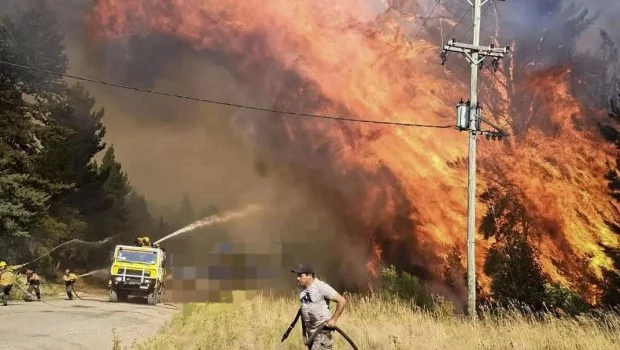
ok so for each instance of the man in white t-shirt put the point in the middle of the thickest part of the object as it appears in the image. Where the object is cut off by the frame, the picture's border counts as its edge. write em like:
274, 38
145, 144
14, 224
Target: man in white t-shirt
314, 296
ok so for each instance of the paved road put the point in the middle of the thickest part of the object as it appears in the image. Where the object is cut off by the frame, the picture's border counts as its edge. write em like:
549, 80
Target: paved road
79, 324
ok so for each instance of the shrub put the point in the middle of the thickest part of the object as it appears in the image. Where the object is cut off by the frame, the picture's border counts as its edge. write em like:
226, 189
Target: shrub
405, 287
557, 296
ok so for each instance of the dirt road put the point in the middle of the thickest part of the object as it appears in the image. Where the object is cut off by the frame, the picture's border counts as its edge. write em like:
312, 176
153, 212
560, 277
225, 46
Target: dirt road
79, 324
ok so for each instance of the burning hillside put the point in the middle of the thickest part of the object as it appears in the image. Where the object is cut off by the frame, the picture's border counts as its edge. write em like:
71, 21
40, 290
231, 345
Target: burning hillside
400, 190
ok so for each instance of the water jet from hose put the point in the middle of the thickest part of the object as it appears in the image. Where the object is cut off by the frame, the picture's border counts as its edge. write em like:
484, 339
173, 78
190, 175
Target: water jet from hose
100, 271
210, 220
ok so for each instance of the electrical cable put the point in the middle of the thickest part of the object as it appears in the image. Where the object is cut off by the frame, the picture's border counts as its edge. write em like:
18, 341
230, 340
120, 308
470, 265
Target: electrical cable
204, 100
426, 20
472, 26
469, 30
458, 23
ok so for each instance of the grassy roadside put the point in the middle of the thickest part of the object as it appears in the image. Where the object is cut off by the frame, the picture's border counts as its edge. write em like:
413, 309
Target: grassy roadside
376, 323
51, 290
48, 290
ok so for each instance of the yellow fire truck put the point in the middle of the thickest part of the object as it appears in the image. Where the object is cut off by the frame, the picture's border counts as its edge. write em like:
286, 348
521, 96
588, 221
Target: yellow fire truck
137, 271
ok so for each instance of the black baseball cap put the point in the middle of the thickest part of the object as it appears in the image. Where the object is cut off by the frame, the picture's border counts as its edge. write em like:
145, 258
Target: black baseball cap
303, 268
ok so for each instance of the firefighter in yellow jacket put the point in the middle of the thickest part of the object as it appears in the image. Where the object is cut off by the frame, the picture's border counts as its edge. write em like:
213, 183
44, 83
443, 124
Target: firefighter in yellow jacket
7, 278
69, 278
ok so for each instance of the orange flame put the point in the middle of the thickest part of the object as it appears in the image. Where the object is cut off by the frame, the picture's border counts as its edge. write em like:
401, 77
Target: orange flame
368, 70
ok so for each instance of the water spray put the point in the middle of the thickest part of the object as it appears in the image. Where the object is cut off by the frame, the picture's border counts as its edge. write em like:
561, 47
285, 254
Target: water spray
72, 241
100, 271
210, 220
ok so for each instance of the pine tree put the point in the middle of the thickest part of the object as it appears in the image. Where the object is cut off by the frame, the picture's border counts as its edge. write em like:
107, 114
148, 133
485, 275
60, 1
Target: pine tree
611, 277
33, 39
110, 215
51, 188
515, 271
162, 227
186, 214
73, 137
612, 135
24, 195
512, 262
140, 221
114, 179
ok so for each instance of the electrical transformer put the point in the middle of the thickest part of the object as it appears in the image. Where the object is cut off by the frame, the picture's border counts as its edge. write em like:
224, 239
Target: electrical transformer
462, 115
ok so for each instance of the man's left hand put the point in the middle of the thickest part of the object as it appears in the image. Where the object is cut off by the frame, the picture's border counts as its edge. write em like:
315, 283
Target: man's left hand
331, 323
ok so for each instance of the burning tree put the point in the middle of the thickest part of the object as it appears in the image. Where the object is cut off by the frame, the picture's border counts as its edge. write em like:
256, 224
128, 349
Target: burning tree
611, 295
402, 194
512, 261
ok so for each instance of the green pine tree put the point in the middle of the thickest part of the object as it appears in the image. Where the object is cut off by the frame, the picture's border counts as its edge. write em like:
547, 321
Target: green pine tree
112, 218
516, 273
512, 262
25, 195
186, 214
140, 221
32, 38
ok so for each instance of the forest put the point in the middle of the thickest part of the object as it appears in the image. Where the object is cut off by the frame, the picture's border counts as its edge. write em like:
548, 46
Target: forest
59, 179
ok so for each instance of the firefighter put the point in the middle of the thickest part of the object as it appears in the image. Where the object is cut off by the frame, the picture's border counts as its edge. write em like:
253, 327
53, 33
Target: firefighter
7, 278
139, 242
69, 279
146, 241
34, 283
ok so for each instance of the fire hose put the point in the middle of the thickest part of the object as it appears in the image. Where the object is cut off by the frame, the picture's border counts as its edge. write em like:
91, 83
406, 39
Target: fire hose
65, 307
67, 242
309, 340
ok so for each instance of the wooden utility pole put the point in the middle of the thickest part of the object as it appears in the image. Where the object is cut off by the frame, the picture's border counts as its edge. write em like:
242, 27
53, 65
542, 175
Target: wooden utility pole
469, 118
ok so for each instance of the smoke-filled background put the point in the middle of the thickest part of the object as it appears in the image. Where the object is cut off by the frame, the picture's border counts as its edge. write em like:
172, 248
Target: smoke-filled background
361, 195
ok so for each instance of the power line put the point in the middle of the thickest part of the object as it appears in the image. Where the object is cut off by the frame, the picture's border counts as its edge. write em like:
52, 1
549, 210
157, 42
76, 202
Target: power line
197, 99
468, 30
472, 25
426, 20
454, 28
458, 23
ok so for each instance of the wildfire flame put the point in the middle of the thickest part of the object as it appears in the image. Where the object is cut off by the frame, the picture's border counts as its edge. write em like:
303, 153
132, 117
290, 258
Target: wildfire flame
349, 63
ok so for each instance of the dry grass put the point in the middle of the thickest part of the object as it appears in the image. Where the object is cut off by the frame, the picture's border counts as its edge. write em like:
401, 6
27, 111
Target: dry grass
48, 290
376, 324
51, 290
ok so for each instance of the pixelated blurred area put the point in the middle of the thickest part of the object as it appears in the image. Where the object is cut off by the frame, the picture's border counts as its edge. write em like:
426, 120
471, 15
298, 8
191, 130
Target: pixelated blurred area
226, 272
